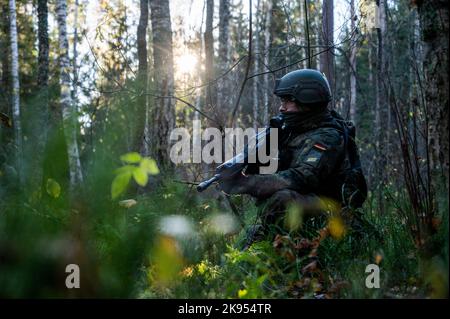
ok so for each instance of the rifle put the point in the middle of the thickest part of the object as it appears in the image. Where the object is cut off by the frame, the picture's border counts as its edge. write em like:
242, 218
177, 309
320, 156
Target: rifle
238, 163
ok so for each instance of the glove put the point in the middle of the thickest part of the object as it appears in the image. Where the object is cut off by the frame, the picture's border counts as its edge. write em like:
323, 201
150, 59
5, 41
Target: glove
237, 184
258, 186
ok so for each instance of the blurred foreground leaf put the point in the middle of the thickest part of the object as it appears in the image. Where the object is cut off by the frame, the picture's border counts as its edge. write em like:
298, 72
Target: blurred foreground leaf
119, 184
140, 176
336, 227
132, 157
167, 261
53, 188
149, 166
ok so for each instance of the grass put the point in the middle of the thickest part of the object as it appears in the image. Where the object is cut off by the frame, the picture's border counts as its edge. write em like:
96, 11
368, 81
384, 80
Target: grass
129, 251
276, 270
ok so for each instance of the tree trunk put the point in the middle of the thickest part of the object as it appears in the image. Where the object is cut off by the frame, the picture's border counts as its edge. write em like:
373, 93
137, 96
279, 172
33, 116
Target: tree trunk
43, 58
200, 75
380, 103
256, 70
163, 68
5, 106
209, 55
267, 45
318, 38
15, 89
327, 58
68, 109
224, 53
434, 21
353, 64
42, 114
143, 74
75, 57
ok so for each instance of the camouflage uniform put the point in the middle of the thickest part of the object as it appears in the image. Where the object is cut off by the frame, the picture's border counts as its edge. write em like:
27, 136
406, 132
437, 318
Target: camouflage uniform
311, 161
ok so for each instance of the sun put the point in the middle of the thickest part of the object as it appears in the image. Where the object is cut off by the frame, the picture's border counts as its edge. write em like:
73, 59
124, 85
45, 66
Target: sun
186, 64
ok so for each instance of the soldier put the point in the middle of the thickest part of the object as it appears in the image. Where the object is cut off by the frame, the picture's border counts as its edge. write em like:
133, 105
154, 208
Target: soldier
318, 158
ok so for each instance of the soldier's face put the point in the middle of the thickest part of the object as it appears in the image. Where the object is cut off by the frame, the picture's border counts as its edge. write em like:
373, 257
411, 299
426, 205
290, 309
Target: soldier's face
287, 105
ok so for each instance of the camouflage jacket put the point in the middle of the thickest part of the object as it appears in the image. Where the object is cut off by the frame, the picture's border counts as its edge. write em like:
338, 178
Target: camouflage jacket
311, 157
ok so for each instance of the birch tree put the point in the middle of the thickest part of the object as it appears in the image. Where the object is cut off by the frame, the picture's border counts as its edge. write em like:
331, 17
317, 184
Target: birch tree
15, 88
4, 53
68, 109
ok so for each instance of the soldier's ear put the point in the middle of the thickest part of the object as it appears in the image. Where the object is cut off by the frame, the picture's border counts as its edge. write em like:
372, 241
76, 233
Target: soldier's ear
303, 107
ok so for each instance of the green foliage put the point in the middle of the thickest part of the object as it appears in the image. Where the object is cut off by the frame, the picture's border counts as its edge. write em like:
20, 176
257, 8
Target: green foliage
281, 269
139, 172
53, 188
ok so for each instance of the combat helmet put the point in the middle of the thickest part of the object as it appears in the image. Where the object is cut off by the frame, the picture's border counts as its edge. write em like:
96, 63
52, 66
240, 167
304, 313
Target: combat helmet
306, 86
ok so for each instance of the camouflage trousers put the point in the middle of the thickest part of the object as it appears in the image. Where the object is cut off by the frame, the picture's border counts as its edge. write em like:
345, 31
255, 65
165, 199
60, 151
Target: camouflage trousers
274, 213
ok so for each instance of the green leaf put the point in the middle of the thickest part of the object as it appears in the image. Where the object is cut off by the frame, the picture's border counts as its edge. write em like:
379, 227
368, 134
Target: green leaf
132, 157
125, 169
149, 166
119, 184
53, 188
140, 176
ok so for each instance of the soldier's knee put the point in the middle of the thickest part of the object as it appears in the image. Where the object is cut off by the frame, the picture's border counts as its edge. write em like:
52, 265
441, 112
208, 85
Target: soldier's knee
275, 206
310, 204
284, 196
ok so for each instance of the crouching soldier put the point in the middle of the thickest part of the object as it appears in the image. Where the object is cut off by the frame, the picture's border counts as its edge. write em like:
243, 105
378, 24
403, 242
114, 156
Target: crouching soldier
318, 158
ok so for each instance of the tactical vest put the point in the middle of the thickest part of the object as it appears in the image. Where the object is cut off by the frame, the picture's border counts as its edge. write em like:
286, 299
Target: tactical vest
347, 184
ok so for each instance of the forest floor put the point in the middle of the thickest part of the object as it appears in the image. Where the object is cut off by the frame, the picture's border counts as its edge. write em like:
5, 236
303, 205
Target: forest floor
323, 259
171, 243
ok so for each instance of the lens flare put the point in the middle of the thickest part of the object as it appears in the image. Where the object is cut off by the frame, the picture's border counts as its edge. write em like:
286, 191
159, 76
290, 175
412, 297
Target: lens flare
186, 64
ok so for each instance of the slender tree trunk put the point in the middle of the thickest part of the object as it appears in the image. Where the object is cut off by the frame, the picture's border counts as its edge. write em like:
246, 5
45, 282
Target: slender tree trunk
43, 58
380, 103
302, 41
318, 38
416, 58
163, 68
256, 70
353, 50
209, 55
198, 100
75, 57
5, 106
143, 73
267, 45
42, 114
68, 109
224, 55
15, 89
327, 58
